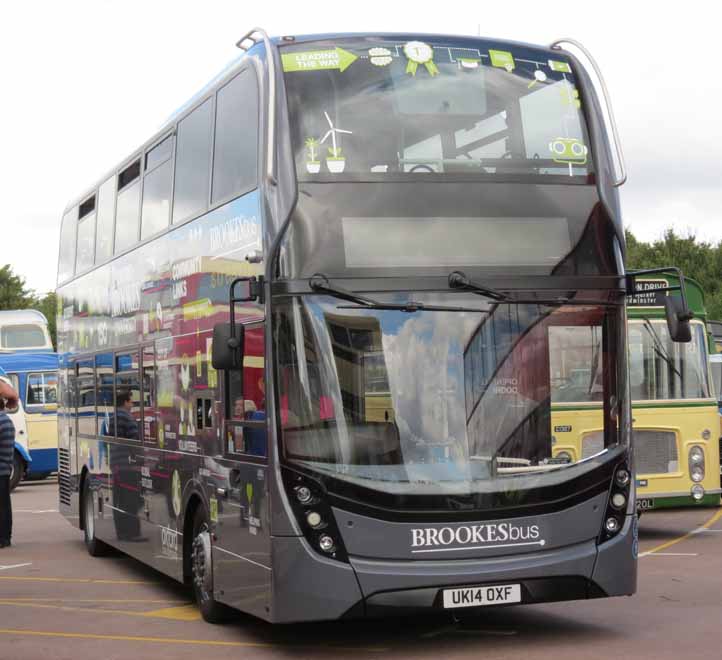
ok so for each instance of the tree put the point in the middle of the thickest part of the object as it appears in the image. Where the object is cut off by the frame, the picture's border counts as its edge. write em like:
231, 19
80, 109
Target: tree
13, 294
699, 260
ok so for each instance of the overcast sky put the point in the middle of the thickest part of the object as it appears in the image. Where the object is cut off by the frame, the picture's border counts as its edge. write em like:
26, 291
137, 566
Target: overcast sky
86, 82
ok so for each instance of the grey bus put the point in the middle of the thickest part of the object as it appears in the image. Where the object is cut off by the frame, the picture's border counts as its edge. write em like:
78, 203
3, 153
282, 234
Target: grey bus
307, 330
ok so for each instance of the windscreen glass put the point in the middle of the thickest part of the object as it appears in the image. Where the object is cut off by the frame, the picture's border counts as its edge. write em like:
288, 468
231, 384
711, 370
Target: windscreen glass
662, 369
432, 402
384, 109
23, 336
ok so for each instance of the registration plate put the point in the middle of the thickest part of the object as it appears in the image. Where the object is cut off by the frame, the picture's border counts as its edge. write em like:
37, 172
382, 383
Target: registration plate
645, 504
479, 596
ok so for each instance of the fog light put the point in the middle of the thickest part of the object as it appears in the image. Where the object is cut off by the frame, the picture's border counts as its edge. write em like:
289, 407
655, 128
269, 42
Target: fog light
622, 477
564, 456
303, 494
612, 525
706, 434
696, 455
314, 519
618, 501
697, 492
326, 543
697, 473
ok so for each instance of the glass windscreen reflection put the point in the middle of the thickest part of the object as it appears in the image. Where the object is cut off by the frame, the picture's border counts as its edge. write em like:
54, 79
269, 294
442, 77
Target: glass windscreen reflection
431, 401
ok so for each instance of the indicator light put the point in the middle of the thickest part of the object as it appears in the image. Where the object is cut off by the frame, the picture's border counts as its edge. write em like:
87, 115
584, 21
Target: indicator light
303, 494
314, 519
326, 543
612, 525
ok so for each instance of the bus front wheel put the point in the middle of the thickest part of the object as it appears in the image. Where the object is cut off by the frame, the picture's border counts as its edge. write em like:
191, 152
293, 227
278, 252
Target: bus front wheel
18, 470
201, 560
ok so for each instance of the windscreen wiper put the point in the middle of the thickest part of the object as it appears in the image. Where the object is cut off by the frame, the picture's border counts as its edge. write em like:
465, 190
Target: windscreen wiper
320, 283
659, 346
459, 280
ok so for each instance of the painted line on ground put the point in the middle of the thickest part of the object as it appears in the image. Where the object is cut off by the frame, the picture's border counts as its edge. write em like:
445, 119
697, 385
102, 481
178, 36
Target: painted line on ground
684, 537
5, 568
674, 554
35, 511
60, 599
191, 642
74, 580
185, 613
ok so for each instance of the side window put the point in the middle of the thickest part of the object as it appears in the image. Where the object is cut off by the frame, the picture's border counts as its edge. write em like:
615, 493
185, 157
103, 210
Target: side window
66, 260
157, 182
85, 402
86, 236
204, 414
105, 221
192, 164
128, 207
104, 388
235, 155
127, 396
42, 390
150, 413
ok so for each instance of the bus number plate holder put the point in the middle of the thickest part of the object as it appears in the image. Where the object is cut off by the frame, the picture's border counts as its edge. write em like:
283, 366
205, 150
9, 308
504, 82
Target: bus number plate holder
482, 595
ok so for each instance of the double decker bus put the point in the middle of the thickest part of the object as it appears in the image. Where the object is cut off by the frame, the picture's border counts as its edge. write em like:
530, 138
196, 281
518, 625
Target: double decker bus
308, 333
674, 409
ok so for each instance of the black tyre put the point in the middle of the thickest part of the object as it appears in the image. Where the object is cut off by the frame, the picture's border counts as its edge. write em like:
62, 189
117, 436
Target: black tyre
18, 470
96, 548
201, 565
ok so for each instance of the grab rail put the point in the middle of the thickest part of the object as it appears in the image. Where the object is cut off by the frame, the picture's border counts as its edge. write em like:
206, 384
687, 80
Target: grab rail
256, 35
622, 170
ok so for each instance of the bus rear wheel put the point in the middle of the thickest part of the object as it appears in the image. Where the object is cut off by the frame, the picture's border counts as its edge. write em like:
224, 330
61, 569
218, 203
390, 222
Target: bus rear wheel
95, 547
201, 562
18, 470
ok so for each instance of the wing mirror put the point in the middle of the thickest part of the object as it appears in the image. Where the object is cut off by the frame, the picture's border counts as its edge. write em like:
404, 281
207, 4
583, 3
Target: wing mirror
678, 317
227, 352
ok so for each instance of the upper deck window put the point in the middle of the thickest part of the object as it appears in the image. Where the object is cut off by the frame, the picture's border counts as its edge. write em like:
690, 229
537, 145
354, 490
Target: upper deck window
86, 235
236, 147
383, 110
105, 221
23, 336
193, 160
128, 207
156, 188
66, 259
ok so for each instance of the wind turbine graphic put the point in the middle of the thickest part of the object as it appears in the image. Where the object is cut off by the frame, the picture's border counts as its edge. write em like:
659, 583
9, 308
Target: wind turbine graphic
332, 132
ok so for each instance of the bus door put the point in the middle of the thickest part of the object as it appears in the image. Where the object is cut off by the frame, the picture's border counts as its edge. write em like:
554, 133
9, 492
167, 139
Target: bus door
242, 551
126, 451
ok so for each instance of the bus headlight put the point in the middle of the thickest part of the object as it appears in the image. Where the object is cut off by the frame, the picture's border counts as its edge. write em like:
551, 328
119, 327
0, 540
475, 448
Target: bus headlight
623, 478
564, 456
618, 501
697, 492
696, 463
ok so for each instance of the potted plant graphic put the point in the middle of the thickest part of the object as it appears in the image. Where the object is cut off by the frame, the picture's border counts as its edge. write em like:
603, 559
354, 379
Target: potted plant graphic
313, 164
335, 161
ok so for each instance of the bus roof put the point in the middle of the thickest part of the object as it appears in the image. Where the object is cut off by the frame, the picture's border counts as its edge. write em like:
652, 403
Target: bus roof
18, 316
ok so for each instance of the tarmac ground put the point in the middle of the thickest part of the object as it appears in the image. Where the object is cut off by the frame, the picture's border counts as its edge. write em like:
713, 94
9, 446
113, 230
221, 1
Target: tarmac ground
57, 602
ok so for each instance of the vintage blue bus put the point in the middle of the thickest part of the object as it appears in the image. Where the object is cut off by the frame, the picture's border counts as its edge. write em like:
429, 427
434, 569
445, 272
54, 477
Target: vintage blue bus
34, 374
306, 333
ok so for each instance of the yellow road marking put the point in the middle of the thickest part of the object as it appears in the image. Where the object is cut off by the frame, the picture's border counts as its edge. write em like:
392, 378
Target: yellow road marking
669, 544
76, 580
181, 613
165, 613
171, 640
150, 601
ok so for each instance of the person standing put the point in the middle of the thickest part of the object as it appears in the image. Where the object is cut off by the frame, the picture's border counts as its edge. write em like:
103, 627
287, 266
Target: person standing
8, 400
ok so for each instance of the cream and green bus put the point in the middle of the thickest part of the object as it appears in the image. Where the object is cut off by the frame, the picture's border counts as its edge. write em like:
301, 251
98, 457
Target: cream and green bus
675, 418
